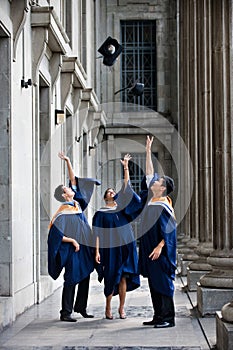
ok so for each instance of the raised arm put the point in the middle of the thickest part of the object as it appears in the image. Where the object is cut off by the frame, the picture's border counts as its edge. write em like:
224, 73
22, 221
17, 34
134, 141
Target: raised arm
149, 164
69, 167
125, 163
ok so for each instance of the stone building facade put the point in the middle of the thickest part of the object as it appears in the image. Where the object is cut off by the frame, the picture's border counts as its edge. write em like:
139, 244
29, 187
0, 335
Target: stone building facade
48, 104
56, 94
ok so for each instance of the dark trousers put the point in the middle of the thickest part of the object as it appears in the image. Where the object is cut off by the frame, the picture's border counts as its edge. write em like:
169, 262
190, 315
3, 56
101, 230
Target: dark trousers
164, 310
81, 297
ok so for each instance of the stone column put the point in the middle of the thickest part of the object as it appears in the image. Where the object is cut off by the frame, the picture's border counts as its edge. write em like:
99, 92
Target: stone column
188, 127
224, 327
184, 226
6, 251
205, 187
224, 319
216, 287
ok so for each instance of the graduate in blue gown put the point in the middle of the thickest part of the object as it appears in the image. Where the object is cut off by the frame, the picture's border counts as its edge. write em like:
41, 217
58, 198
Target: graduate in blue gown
70, 243
116, 253
157, 248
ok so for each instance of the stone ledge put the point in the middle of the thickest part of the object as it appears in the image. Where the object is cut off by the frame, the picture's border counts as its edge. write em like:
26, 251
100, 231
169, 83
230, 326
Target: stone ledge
193, 277
211, 300
6, 312
224, 332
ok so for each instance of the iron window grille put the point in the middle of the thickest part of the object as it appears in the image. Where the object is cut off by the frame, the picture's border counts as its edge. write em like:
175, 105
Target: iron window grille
138, 62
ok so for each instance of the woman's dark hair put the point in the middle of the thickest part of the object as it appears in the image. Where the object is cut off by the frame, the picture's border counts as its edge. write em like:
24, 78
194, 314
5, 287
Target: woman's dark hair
58, 193
105, 193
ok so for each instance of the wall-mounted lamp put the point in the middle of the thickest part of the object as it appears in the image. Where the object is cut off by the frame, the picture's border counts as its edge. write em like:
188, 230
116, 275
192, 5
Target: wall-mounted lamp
25, 84
59, 116
78, 138
91, 150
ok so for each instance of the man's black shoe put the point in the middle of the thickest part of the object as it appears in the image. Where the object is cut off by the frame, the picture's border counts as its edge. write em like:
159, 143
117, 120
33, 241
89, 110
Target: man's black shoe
67, 318
84, 314
149, 323
164, 325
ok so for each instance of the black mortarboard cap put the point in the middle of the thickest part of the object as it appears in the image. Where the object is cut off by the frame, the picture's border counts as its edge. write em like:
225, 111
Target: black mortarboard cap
110, 50
136, 89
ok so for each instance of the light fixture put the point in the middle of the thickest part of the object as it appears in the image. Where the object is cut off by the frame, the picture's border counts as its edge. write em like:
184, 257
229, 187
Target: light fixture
78, 138
136, 89
59, 116
25, 84
91, 150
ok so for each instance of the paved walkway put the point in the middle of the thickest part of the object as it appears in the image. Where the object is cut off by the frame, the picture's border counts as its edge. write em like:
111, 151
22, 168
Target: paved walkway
40, 327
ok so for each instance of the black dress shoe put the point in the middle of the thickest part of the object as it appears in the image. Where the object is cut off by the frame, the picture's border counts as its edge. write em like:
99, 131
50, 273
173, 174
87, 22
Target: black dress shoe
67, 318
164, 324
149, 323
84, 314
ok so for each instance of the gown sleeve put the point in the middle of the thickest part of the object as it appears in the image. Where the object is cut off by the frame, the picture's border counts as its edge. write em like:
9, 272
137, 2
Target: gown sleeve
146, 193
85, 188
97, 227
56, 255
129, 201
168, 232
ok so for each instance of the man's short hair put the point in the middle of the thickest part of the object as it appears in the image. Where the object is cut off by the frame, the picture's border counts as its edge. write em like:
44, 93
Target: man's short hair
58, 193
169, 184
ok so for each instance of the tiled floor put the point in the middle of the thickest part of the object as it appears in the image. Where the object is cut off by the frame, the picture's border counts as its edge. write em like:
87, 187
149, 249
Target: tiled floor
40, 328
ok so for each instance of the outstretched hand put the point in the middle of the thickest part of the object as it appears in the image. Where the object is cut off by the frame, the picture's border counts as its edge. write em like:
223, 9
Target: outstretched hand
126, 159
62, 156
149, 142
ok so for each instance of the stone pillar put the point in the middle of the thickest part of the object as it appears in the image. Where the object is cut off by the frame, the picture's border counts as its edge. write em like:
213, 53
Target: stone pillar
224, 327
184, 225
205, 186
188, 128
224, 319
216, 287
6, 252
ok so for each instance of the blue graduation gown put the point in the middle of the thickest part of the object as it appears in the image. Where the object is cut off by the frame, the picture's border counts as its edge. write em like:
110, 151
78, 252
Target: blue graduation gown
118, 254
78, 265
158, 223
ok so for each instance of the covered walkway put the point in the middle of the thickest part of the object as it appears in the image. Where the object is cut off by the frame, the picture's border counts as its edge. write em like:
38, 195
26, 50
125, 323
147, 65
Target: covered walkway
40, 327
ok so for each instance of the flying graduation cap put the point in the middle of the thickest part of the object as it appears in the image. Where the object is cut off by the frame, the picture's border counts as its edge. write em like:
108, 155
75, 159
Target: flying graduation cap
136, 89
110, 50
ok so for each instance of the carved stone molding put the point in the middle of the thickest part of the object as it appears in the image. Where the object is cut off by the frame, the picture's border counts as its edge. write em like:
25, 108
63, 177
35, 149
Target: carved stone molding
55, 64
40, 37
94, 121
84, 106
135, 2
73, 77
47, 31
66, 83
72, 66
19, 12
222, 274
